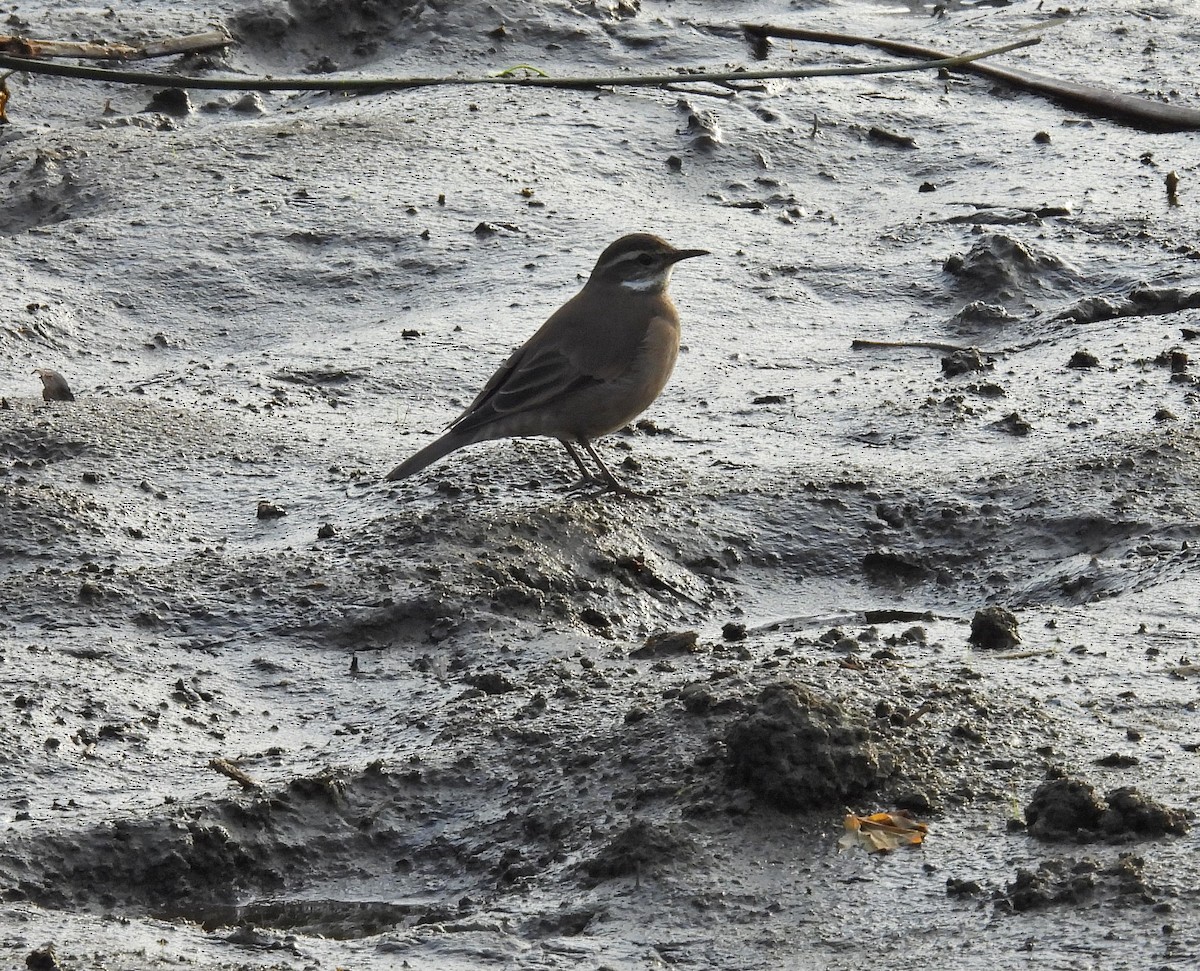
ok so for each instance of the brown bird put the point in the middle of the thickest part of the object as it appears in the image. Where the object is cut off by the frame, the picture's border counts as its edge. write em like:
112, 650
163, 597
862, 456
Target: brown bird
594, 366
54, 385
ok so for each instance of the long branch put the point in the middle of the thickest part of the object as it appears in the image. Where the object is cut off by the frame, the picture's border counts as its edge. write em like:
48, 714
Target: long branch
162, 80
1141, 112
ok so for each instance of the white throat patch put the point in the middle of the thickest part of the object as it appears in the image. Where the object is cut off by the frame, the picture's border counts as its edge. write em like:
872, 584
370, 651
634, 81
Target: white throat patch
648, 284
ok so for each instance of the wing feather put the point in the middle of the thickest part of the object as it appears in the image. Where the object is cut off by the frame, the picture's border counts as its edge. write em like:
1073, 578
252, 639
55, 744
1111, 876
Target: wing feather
528, 380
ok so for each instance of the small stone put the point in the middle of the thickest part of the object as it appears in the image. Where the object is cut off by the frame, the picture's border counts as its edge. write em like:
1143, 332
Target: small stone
326, 531
1042, 138
268, 510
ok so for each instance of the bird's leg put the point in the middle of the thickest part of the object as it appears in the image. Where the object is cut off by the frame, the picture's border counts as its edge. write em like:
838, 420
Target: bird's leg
610, 481
587, 476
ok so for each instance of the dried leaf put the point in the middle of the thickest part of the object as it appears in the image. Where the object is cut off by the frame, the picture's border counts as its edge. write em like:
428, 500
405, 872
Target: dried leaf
882, 832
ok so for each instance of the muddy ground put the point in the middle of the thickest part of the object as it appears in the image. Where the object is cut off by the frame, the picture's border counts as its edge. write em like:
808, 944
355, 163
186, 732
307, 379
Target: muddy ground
262, 710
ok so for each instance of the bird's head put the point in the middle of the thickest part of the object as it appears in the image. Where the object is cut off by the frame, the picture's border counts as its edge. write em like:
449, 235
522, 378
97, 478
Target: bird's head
640, 263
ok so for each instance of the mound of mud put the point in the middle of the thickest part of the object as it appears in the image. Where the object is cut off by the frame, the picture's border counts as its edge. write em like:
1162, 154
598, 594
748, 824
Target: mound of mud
1002, 270
994, 628
1070, 809
640, 848
801, 752
1075, 882
336, 34
48, 188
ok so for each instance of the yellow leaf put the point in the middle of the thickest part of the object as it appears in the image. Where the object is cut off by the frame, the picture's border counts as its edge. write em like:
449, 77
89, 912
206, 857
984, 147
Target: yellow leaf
882, 832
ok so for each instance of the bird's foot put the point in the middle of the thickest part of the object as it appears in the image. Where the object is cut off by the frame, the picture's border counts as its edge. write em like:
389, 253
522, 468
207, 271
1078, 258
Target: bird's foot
616, 489
598, 488
587, 483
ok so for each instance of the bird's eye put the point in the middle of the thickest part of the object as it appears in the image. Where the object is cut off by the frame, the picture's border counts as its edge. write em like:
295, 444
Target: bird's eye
645, 259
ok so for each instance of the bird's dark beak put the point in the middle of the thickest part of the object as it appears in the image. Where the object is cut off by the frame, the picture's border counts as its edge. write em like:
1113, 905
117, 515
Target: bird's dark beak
687, 254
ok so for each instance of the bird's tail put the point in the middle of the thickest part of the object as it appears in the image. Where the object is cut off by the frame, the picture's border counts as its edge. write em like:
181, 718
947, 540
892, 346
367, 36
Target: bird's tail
428, 455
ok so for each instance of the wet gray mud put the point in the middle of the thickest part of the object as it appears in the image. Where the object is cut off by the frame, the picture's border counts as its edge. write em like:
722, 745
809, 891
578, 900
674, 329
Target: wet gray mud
263, 710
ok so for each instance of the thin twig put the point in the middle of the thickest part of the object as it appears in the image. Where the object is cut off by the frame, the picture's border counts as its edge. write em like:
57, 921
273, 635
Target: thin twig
1145, 114
862, 344
396, 84
924, 709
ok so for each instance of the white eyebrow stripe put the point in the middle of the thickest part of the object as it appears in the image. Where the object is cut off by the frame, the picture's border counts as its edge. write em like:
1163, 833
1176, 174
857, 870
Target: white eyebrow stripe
629, 257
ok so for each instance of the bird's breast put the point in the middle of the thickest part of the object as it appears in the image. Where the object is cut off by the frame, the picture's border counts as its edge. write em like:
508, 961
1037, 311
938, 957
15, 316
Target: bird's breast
616, 401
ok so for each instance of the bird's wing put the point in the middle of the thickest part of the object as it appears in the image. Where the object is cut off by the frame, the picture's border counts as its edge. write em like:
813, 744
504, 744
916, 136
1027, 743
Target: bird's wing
532, 378
574, 349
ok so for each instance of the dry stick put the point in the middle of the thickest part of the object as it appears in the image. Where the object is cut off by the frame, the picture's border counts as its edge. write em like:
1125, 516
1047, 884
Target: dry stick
190, 44
228, 769
394, 84
1139, 112
862, 344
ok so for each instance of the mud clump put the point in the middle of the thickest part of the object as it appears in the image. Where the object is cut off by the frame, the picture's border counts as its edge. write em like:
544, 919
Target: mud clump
801, 752
980, 313
1070, 809
889, 566
640, 848
1074, 882
668, 643
1083, 359
170, 101
995, 629
999, 268
54, 385
963, 362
